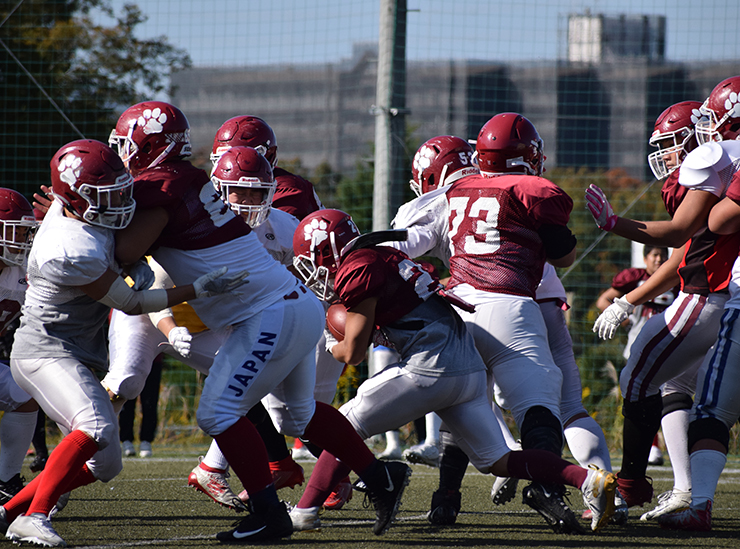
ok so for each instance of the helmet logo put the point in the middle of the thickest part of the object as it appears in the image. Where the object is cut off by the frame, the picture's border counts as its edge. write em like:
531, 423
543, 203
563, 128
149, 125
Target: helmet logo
423, 158
69, 169
732, 105
152, 120
695, 116
315, 231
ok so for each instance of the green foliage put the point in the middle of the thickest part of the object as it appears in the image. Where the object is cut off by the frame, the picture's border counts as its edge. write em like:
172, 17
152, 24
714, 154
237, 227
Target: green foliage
90, 71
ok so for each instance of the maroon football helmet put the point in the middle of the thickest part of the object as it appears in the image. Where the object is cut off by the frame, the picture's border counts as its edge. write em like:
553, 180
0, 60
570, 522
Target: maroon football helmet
246, 131
245, 168
318, 244
18, 226
150, 133
89, 178
440, 161
674, 136
509, 143
722, 112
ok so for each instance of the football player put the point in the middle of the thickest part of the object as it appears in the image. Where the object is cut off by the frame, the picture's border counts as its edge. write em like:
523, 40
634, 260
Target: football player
393, 300
268, 355
73, 282
715, 409
437, 164
674, 136
18, 224
678, 339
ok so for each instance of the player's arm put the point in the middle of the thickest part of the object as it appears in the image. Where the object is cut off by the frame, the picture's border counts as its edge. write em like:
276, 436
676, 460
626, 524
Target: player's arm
691, 215
134, 241
357, 332
662, 280
559, 243
725, 217
607, 298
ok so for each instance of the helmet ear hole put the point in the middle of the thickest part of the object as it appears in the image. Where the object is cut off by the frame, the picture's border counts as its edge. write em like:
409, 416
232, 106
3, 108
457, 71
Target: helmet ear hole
146, 149
430, 182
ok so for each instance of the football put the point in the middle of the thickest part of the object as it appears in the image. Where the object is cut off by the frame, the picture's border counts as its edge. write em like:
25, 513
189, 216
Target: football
336, 317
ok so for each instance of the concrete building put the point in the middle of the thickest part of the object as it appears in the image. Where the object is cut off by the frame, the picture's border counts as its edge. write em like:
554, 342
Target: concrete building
595, 109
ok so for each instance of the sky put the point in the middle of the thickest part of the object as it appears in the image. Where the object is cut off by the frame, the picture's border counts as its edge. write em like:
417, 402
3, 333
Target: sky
247, 32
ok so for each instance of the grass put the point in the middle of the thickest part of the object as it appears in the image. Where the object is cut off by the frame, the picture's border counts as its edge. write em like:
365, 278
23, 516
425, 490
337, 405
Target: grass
149, 504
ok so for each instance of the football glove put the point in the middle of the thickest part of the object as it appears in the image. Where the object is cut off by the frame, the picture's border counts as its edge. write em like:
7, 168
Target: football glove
217, 282
600, 209
612, 317
180, 338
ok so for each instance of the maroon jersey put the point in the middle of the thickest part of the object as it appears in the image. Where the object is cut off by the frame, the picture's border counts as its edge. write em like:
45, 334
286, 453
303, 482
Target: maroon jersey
706, 266
627, 280
493, 230
198, 217
294, 194
399, 283
672, 193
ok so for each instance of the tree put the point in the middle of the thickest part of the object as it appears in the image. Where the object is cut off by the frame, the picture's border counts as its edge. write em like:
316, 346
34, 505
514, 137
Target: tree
88, 72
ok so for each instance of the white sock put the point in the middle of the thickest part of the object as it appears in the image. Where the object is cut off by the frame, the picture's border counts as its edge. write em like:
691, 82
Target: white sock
392, 440
676, 436
432, 422
587, 443
16, 432
214, 458
707, 466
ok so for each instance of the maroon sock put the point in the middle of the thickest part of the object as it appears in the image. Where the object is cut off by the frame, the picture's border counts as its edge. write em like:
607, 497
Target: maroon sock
326, 474
544, 466
244, 450
330, 430
63, 466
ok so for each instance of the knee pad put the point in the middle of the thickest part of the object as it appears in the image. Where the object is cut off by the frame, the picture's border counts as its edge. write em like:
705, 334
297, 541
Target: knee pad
676, 401
645, 413
710, 428
541, 430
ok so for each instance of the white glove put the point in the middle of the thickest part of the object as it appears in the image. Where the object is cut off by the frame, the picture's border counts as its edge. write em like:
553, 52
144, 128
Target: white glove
215, 283
330, 340
180, 338
612, 317
142, 275
599, 206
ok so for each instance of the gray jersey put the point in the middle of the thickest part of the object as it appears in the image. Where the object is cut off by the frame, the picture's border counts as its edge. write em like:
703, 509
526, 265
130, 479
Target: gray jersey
58, 318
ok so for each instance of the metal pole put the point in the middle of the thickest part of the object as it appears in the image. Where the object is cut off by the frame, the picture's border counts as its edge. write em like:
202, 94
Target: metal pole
390, 111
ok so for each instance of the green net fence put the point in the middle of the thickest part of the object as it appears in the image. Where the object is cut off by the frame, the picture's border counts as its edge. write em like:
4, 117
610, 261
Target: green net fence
591, 75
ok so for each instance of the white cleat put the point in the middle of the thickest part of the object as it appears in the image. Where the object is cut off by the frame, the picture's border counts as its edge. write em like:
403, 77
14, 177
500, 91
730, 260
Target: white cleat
305, 520
669, 502
424, 454
598, 493
504, 490
34, 528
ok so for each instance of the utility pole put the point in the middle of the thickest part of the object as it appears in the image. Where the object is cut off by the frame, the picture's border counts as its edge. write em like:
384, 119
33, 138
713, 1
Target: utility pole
390, 113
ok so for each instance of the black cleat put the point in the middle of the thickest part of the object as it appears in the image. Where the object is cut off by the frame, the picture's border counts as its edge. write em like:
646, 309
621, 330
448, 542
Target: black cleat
385, 490
10, 488
273, 525
445, 507
548, 501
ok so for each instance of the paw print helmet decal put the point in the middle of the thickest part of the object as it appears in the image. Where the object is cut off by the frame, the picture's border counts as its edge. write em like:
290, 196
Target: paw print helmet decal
722, 113
89, 179
18, 226
245, 131
319, 244
509, 143
440, 161
675, 137
242, 168
150, 133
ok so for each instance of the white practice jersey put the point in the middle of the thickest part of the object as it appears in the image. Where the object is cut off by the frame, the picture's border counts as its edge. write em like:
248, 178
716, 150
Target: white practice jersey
425, 218
59, 319
276, 235
13, 287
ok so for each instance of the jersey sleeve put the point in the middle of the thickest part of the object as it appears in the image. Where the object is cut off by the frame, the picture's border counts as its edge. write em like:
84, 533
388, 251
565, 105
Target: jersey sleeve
294, 195
733, 190
705, 169
546, 203
627, 280
672, 193
73, 271
361, 276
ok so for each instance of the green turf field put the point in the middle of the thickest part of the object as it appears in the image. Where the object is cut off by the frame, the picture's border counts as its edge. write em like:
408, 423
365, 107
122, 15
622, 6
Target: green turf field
149, 504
